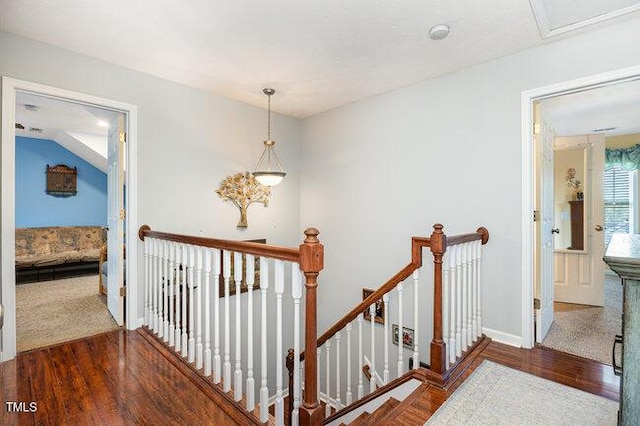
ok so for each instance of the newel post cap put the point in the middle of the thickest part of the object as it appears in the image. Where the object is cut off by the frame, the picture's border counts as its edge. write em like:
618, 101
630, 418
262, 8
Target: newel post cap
311, 252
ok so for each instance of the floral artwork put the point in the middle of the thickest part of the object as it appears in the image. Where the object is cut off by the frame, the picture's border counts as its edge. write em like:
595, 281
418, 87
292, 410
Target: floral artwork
572, 181
243, 190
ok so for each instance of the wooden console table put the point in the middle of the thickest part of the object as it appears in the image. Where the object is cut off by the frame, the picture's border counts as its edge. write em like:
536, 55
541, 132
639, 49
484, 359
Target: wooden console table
623, 257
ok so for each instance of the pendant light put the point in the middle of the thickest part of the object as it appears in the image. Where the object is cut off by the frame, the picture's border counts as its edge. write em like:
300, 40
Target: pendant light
269, 171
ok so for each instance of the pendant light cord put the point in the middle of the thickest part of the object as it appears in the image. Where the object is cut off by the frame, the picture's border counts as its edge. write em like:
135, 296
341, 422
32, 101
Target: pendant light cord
269, 118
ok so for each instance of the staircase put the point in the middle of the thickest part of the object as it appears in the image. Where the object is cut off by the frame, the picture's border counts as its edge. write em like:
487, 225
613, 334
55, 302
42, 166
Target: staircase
200, 304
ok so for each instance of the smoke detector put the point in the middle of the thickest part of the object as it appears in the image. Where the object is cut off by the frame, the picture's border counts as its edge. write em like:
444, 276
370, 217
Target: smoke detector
35, 129
30, 107
438, 32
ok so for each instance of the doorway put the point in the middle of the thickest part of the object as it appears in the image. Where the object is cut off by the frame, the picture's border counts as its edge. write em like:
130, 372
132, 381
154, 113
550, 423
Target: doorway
531, 274
126, 153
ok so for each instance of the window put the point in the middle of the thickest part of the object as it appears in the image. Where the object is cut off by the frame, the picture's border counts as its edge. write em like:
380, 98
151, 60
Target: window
617, 208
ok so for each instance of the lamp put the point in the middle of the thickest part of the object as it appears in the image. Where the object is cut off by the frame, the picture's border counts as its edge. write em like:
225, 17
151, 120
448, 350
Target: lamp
269, 171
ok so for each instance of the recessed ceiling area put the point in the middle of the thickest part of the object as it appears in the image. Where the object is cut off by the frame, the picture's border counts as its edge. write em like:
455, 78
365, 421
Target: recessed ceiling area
73, 126
317, 54
613, 110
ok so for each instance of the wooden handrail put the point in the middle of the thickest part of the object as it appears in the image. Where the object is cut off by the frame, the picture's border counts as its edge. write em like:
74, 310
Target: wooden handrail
256, 249
416, 262
481, 234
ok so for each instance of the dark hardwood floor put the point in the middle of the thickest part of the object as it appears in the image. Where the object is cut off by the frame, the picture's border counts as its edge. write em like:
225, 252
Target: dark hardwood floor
120, 378
115, 378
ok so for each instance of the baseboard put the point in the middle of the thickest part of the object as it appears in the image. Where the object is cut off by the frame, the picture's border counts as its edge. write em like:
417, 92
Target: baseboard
140, 322
502, 337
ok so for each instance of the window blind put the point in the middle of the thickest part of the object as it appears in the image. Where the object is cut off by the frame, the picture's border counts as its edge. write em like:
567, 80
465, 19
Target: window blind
616, 202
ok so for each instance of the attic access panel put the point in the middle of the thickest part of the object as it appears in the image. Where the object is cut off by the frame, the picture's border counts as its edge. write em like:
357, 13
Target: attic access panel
62, 180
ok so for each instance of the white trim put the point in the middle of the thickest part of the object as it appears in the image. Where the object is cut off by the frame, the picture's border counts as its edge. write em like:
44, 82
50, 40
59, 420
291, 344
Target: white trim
502, 337
140, 322
544, 27
10, 87
528, 202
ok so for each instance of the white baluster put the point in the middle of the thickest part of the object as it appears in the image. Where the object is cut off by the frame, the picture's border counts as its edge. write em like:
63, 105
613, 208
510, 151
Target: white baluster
372, 380
360, 357
156, 279
445, 308
474, 286
226, 367
458, 300
400, 334
237, 374
178, 291
452, 305
160, 285
385, 373
192, 309
171, 283
465, 295
318, 370
198, 308
185, 284
327, 375
217, 364
264, 391
349, 395
469, 267
165, 291
279, 287
296, 293
147, 283
416, 319
479, 284
207, 311
250, 391
338, 377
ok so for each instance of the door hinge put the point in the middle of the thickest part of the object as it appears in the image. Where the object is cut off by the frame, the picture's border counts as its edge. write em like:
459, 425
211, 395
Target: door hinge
536, 128
123, 214
123, 291
536, 303
123, 137
536, 215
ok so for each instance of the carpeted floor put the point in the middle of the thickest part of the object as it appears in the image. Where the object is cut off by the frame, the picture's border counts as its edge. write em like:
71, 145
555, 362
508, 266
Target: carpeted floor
589, 332
52, 312
498, 395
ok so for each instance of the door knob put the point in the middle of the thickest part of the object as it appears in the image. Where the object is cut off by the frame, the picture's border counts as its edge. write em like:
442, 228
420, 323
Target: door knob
555, 231
598, 228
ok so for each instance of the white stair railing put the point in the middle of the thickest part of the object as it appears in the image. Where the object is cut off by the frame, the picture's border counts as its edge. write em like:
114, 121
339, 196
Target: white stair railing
183, 280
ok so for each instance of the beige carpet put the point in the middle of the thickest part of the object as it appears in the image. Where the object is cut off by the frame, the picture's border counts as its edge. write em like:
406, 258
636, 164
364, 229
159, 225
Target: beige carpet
589, 332
51, 312
498, 395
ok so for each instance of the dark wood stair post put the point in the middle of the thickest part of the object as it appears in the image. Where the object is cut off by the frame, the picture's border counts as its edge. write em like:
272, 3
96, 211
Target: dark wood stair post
311, 263
438, 348
289, 364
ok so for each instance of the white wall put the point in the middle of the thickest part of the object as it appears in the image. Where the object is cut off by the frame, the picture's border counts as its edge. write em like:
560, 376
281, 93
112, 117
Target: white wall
446, 150
188, 141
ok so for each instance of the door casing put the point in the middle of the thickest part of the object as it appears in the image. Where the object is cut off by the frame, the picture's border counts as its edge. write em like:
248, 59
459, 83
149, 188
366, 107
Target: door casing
528, 177
10, 86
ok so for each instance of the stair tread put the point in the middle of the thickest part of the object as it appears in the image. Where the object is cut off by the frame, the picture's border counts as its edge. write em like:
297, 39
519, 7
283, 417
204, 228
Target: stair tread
392, 416
381, 412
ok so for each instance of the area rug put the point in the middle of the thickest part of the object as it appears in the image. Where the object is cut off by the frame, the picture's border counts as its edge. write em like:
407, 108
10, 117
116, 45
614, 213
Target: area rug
498, 395
57, 311
589, 332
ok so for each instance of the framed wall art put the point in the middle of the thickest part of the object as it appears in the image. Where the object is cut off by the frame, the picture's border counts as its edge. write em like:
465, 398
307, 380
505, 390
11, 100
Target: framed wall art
62, 180
407, 336
366, 292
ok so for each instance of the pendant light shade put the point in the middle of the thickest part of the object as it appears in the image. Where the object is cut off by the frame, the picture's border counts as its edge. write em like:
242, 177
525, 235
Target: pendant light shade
269, 171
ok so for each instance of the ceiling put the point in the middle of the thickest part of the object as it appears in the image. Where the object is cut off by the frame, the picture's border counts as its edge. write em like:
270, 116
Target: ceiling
612, 110
74, 126
317, 54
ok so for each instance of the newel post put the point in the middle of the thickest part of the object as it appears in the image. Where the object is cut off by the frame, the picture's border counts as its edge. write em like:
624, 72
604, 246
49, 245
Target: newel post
438, 349
311, 263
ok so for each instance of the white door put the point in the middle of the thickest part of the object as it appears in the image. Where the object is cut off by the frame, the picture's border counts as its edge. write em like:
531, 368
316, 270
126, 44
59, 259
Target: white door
115, 219
543, 139
579, 274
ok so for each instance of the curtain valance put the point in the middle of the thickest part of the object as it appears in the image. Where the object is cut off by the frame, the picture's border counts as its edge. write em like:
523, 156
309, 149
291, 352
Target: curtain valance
626, 158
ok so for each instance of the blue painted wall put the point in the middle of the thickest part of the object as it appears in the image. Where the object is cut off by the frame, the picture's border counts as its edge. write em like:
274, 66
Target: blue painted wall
34, 207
